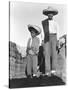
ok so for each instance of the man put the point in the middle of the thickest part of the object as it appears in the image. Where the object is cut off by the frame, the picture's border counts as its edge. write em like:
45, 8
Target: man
51, 35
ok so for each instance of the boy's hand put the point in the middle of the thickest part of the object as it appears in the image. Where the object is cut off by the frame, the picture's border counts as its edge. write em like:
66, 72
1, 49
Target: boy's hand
31, 52
35, 50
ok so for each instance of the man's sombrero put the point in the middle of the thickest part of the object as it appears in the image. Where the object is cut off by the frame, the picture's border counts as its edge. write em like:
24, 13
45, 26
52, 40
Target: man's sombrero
34, 28
50, 10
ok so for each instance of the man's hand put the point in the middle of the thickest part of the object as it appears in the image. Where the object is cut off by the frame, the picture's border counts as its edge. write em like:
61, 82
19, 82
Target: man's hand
58, 44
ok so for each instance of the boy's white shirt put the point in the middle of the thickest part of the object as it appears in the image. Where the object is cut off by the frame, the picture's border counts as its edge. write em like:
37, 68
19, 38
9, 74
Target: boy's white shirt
29, 42
29, 45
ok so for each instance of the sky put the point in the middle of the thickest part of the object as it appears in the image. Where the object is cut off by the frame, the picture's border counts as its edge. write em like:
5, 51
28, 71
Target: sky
24, 13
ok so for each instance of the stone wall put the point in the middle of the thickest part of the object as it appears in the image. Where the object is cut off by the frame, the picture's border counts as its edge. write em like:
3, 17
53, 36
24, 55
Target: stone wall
17, 64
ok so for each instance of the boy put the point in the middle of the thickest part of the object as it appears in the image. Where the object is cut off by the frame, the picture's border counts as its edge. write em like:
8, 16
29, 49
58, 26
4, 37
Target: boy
32, 50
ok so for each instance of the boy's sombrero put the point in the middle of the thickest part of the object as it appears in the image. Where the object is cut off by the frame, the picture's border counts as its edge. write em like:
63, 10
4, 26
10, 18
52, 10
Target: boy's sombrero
50, 10
34, 28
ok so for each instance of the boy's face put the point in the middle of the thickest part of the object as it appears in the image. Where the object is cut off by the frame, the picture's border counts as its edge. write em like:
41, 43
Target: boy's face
50, 16
33, 34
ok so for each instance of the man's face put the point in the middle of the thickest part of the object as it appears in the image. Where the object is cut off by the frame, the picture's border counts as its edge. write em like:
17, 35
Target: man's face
50, 16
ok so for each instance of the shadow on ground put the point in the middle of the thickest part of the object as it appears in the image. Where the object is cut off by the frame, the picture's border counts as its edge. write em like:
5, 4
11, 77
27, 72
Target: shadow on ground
35, 82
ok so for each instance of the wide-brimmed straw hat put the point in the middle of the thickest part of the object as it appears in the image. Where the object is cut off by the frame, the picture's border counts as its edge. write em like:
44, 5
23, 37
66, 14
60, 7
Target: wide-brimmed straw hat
34, 28
50, 10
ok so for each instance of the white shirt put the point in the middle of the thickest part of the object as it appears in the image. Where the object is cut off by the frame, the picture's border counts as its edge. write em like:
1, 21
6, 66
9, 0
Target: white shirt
54, 28
34, 44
